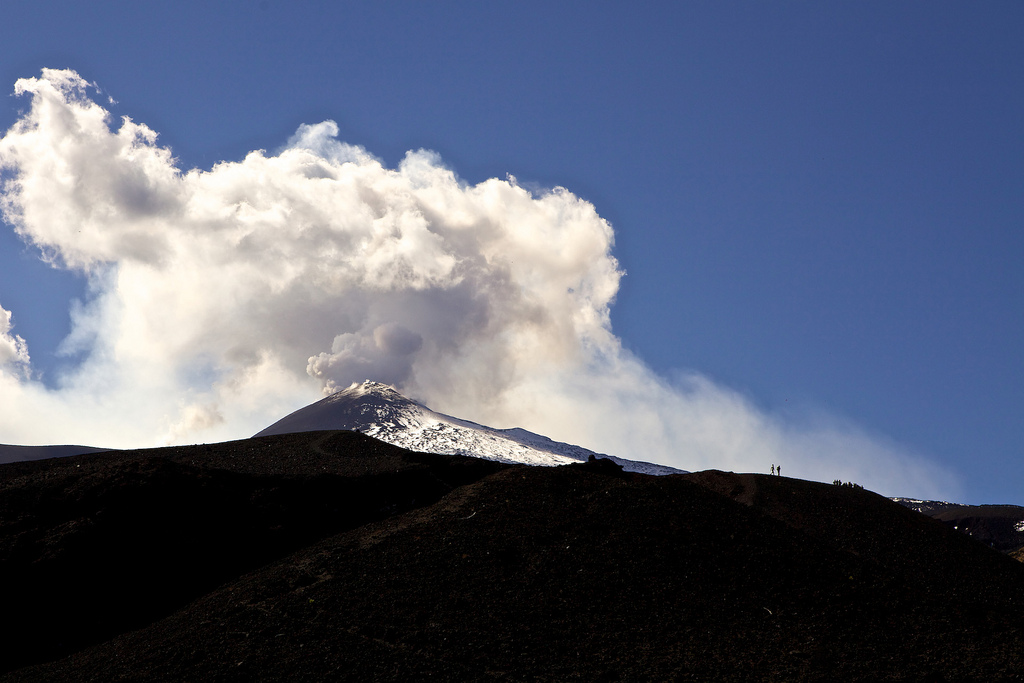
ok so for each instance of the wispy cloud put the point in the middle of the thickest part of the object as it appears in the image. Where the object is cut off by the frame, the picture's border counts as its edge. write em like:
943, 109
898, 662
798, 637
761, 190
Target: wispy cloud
13, 350
222, 299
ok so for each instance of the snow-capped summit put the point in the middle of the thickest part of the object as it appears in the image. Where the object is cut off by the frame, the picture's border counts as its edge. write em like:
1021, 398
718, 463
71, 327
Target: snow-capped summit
378, 410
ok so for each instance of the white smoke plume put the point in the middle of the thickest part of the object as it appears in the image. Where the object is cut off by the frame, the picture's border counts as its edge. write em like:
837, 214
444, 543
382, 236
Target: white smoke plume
223, 299
13, 350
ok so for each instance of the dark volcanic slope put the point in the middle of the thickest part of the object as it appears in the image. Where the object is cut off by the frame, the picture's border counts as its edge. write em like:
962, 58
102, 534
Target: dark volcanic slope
583, 573
19, 453
93, 545
1000, 526
907, 544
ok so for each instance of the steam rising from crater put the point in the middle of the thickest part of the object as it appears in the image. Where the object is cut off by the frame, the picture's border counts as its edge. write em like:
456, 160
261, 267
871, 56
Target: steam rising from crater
223, 299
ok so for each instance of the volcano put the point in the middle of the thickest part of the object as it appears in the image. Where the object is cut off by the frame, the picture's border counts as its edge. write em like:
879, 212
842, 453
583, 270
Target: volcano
380, 411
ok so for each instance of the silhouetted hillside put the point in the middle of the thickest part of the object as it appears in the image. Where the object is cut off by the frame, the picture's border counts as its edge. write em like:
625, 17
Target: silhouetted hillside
99, 544
1000, 526
392, 565
21, 453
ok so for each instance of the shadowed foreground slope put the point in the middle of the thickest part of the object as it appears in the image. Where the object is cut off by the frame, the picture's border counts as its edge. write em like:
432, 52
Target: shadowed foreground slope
93, 545
584, 573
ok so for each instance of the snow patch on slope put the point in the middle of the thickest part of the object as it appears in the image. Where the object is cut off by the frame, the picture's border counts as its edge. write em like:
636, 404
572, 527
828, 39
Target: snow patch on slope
380, 411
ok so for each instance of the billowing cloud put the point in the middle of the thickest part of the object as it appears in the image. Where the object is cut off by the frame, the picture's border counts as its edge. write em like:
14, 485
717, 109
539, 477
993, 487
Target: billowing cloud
13, 350
223, 299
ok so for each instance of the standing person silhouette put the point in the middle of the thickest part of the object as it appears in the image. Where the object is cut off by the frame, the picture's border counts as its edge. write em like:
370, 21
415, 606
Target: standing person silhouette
778, 470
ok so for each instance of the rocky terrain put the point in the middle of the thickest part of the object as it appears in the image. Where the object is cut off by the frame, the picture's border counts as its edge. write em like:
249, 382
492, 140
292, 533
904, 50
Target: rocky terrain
999, 526
334, 556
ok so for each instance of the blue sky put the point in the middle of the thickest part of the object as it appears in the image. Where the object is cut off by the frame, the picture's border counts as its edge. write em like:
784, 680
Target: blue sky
817, 206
